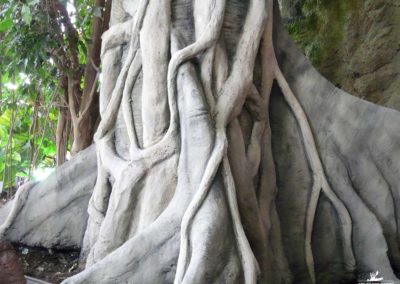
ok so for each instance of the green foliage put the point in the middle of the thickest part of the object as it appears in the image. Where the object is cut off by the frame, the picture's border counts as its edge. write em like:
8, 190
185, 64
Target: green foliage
318, 27
31, 38
25, 141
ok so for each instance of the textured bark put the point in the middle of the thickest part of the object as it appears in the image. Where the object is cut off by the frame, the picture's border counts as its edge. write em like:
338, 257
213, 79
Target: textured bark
82, 103
61, 136
222, 156
89, 110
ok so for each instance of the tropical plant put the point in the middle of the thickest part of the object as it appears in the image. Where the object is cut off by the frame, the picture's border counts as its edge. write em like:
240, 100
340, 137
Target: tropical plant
49, 60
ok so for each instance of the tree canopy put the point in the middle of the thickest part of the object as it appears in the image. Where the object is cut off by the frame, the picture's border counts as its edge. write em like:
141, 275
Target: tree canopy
41, 44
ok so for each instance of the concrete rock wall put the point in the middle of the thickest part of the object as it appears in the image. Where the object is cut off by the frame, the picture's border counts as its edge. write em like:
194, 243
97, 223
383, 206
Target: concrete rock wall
354, 43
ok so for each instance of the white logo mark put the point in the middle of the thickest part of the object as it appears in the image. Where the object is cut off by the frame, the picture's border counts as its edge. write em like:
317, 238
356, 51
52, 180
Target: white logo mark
373, 277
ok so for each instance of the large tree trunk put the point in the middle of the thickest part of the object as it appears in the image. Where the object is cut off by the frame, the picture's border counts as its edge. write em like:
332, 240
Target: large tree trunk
222, 157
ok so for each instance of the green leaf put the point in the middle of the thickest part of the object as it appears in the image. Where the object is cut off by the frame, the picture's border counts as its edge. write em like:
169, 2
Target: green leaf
6, 24
26, 14
5, 118
16, 157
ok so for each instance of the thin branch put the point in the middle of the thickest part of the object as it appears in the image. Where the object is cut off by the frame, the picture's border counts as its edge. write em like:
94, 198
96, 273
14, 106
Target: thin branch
33, 163
71, 102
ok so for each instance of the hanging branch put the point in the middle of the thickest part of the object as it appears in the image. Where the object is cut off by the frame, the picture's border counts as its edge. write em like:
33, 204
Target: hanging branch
32, 131
33, 165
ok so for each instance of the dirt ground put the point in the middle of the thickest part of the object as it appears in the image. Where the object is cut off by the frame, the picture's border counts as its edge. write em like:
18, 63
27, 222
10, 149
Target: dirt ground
48, 265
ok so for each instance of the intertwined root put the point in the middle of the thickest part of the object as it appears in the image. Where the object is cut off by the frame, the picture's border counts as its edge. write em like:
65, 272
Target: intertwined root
226, 88
186, 187
319, 183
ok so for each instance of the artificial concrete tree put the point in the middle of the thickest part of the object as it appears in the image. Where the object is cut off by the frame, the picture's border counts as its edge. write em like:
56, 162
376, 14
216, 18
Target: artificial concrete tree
222, 156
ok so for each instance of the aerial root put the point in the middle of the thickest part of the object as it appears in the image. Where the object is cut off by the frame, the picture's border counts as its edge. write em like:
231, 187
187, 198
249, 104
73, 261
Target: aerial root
196, 202
250, 265
320, 182
113, 229
234, 93
125, 188
133, 58
206, 40
126, 103
97, 207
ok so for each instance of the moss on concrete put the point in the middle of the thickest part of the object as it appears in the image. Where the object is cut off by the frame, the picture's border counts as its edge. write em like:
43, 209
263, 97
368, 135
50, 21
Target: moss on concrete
354, 43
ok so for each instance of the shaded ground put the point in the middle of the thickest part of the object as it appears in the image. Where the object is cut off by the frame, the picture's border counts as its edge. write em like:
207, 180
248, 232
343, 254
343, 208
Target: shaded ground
49, 265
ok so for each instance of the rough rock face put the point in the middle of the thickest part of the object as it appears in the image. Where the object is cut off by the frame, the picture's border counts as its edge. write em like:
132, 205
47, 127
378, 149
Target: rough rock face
10, 269
356, 149
55, 219
354, 43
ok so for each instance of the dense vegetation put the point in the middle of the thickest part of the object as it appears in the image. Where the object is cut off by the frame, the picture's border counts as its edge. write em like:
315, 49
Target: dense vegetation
47, 48
317, 26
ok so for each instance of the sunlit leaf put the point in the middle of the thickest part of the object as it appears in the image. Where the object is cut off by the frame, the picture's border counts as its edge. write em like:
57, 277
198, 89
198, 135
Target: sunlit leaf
16, 157
6, 24
26, 14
